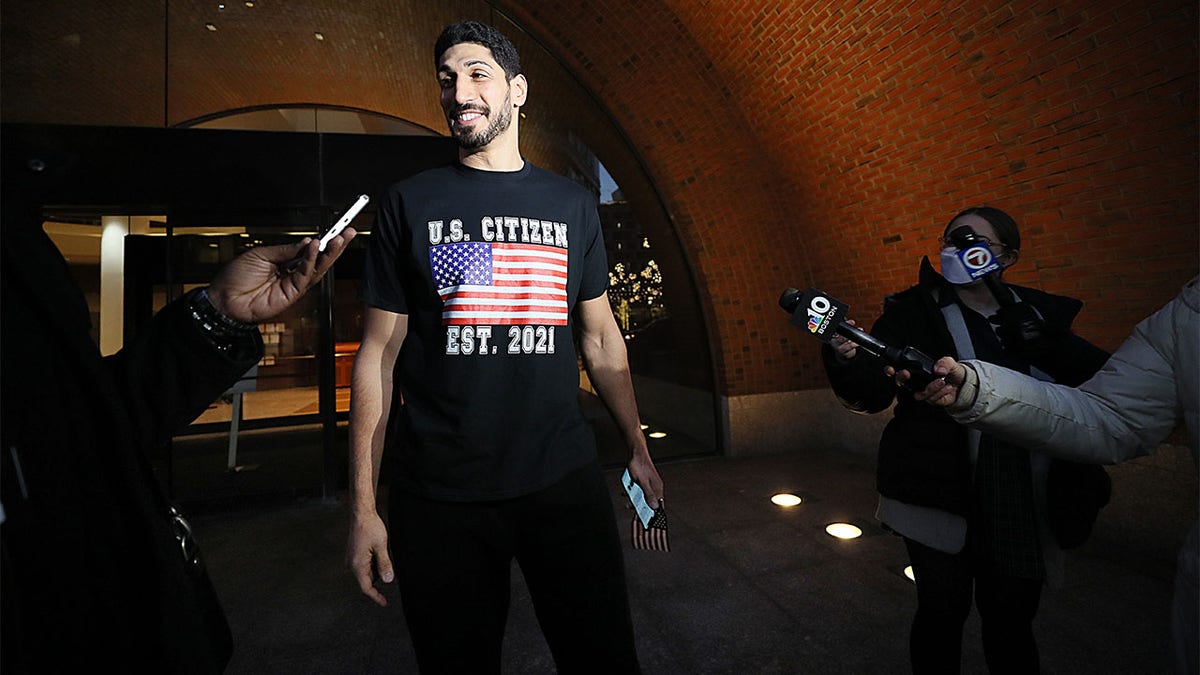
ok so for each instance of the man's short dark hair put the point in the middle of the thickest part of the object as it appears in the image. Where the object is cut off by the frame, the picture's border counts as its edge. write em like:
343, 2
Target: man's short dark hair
502, 50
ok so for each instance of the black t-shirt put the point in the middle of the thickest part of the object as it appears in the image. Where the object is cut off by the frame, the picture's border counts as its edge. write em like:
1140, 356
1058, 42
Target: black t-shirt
488, 267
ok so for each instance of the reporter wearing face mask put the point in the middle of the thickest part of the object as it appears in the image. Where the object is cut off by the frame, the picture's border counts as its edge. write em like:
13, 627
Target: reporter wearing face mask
971, 510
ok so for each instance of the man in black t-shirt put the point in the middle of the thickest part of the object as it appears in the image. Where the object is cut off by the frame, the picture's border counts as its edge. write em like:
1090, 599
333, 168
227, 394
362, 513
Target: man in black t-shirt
478, 275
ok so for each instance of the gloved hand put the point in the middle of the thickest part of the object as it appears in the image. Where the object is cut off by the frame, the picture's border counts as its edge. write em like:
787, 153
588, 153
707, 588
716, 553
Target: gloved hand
1021, 330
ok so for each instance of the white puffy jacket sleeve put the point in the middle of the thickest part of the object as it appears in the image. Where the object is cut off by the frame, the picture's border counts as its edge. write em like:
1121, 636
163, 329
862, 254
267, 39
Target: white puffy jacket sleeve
1126, 410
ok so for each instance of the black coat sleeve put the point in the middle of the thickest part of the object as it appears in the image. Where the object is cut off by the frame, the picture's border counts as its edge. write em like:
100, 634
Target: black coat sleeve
170, 373
860, 384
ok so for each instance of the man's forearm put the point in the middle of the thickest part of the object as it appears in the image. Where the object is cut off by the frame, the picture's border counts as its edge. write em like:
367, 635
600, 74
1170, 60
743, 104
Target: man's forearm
370, 403
608, 371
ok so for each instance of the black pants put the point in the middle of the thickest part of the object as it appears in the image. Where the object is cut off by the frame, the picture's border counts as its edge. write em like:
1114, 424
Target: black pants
453, 559
1006, 605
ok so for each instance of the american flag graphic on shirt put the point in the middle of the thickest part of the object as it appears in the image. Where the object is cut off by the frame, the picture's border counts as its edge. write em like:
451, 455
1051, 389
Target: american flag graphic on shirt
500, 283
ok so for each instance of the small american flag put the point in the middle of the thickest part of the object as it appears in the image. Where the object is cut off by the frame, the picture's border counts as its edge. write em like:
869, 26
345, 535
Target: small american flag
500, 283
653, 538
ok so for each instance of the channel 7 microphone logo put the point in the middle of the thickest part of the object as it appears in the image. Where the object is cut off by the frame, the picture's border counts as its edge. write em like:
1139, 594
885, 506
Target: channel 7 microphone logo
978, 260
819, 314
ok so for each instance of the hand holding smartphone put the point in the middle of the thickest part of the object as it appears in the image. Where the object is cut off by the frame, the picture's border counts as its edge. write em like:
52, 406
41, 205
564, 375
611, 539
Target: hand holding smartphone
291, 265
644, 511
342, 222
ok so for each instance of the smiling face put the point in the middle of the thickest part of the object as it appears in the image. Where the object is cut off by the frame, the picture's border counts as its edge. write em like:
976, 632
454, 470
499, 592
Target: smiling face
477, 99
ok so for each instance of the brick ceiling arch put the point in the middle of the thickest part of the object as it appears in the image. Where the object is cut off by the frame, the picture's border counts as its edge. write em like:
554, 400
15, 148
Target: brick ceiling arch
663, 91
791, 143
802, 141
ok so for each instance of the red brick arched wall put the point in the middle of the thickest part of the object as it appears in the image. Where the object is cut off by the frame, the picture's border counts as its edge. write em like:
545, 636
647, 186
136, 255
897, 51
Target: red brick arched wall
828, 143
791, 143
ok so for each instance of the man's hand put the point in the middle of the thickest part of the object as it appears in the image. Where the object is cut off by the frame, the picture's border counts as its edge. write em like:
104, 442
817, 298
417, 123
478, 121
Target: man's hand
642, 470
254, 287
944, 389
367, 553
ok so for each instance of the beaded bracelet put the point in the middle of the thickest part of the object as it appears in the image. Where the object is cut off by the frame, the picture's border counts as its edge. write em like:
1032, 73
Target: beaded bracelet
223, 331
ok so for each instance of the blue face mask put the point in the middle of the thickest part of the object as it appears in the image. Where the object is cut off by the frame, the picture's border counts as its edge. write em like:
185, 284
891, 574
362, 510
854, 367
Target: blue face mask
953, 268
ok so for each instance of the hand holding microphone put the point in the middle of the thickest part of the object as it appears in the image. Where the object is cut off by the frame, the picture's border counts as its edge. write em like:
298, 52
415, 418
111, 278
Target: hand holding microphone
954, 380
844, 348
821, 315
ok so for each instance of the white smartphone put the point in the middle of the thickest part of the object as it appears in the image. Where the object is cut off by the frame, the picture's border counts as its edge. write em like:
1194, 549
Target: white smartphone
644, 511
291, 265
342, 222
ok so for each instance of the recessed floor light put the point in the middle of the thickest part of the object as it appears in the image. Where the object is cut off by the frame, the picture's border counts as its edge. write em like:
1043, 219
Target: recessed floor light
908, 572
658, 434
785, 499
319, 35
212, 27
843, 530
645, 427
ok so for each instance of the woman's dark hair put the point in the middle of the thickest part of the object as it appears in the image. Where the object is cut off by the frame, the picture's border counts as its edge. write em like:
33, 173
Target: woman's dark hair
481, 34
1005, 226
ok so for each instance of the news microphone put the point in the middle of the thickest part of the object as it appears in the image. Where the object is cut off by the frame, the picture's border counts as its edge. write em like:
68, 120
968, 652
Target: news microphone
1020, 327
979, 261
823, 316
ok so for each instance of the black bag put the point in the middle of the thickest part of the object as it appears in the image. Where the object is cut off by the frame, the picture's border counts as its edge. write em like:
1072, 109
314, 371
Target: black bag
1075, 493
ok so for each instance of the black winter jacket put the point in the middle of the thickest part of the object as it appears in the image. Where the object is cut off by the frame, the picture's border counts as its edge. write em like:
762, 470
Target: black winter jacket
92, 575
923, 458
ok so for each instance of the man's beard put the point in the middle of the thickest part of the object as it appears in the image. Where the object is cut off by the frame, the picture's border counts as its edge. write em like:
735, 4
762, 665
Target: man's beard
474, 140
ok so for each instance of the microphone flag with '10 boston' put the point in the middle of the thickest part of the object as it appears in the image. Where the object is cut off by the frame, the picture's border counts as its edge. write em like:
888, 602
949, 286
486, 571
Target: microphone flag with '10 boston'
821, 313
